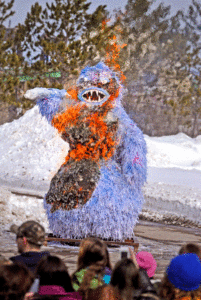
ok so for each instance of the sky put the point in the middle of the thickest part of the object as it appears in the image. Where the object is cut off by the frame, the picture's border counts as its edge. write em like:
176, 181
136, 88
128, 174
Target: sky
23, 6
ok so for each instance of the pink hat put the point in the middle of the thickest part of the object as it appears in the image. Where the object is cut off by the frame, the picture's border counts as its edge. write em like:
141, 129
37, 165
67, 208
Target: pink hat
146, 261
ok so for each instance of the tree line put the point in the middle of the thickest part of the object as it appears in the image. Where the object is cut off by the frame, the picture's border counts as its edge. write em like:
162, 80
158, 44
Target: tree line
160, 59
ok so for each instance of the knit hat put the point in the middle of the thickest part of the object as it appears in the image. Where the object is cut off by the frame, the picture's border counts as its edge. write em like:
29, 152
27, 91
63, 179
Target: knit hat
146, 261
184, 272
33, 231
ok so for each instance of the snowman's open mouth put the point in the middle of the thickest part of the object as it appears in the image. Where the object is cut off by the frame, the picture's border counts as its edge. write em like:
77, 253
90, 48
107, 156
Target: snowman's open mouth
93, 95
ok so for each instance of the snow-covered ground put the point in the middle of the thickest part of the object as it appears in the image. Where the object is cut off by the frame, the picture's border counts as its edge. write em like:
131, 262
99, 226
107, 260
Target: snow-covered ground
31, 152
172, 151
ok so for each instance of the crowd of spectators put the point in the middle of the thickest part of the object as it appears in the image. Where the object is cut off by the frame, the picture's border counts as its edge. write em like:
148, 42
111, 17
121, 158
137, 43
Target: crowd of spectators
36, 274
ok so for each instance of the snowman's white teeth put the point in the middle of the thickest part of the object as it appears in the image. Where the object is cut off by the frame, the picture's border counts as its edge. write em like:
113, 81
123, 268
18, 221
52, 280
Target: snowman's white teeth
93, 95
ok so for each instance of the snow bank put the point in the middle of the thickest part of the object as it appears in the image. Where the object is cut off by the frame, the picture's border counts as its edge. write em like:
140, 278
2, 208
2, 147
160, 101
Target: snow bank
15, 209
172, 204
30, 148
178, 150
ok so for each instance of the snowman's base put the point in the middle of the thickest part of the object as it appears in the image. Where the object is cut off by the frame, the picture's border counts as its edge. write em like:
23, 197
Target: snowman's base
109, 243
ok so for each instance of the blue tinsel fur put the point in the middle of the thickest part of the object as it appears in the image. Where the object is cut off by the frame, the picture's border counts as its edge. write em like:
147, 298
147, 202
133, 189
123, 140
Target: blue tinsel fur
50, 104
114, 207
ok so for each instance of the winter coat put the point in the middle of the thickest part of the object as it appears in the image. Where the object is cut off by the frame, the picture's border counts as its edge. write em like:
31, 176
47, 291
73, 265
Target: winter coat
55, 290
77, 279
30, 259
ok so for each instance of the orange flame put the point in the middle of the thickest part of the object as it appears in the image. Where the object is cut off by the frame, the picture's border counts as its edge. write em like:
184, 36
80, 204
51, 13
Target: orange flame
102, 141
112, 52
72, 92
66, 119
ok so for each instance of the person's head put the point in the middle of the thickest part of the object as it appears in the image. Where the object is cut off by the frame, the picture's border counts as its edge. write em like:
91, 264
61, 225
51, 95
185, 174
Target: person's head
146, 261
15, 281
93, 256
52, 271
125, 278
93, 251
30, 236
182, 278
191, 248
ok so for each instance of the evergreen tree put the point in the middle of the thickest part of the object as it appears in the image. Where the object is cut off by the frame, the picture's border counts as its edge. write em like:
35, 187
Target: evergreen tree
5, 11
143, 30
64, 37
188, 82
10, 61
158, 57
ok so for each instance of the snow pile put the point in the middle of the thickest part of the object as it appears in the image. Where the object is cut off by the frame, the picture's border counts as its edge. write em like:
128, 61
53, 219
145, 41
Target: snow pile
172, 204
15, 209
178, 150
30, 148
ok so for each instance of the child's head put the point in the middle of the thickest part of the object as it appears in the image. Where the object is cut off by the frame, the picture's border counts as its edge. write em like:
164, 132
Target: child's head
94, 257
124, 274
146, 261
93, 251
184, 272
182, 278
191, 248
15, 281
53, 271
125, 278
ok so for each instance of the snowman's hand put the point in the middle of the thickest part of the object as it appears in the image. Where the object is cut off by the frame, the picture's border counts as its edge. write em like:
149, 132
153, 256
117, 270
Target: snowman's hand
49, 100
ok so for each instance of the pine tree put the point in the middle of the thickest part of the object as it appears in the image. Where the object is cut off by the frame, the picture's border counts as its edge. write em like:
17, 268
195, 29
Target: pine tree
10, 61
143, 30
188, 84
64, 37
159, 66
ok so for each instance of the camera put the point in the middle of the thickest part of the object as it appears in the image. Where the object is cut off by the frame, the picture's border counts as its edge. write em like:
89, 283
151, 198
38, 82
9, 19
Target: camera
124, 253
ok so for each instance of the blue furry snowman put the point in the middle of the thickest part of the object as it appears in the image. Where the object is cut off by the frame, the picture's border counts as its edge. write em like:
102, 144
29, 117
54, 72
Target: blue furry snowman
98, 189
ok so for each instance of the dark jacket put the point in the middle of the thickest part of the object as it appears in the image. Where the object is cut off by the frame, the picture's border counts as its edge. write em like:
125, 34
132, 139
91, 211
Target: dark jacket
29, 259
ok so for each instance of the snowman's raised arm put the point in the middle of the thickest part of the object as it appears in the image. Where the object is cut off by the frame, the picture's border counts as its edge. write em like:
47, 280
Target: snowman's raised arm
131, 151
49, 100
